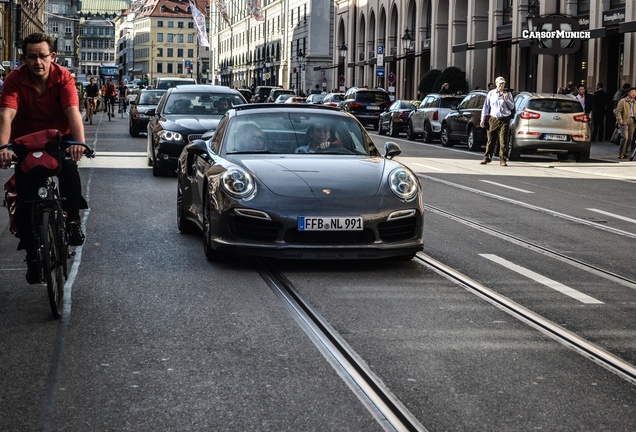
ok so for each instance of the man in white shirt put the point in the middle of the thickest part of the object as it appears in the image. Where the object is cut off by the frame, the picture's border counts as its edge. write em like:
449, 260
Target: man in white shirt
499, 105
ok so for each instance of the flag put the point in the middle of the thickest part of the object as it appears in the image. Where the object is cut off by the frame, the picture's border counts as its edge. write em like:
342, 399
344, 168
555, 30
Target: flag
220, 4
256, 10
199, 24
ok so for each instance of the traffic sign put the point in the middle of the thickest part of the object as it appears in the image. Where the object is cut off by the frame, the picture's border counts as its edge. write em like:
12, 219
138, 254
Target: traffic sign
379, 71
391, 77
341, 79
380, 57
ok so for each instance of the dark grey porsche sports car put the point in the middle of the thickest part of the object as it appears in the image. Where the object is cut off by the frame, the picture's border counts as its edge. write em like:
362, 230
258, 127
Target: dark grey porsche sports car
298, 182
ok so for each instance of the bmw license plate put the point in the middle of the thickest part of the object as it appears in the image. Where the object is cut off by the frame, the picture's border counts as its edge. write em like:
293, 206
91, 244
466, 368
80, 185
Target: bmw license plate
555, 137
317, 223
373, 108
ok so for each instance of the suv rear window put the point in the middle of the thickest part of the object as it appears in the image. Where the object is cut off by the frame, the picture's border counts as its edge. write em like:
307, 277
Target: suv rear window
555, 105
372, 97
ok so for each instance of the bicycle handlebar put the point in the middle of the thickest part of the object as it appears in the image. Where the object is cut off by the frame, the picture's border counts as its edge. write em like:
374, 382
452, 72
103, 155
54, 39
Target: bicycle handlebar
64, 145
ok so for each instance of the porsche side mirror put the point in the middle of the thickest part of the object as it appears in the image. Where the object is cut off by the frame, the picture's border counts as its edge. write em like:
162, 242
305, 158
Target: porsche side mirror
391, 150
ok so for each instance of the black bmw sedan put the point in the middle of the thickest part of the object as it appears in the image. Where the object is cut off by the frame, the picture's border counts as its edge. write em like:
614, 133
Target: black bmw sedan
138, 119
184, 114
298, 181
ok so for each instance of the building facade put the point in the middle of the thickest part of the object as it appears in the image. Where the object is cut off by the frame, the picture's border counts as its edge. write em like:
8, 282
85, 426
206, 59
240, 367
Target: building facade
337, 43
165, 40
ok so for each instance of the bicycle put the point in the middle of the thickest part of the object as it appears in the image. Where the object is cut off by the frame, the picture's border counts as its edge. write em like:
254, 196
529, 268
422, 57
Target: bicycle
40, 154
90, 108
122, 106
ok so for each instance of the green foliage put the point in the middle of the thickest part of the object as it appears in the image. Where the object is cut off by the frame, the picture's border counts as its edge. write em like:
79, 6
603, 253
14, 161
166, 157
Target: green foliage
455, 77
427, 83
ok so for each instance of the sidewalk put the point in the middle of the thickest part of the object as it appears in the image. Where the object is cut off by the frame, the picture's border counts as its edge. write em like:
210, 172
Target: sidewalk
607, 151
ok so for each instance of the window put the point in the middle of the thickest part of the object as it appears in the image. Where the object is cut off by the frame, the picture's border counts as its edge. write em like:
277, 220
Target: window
190, 38
179, 38
159, 37
170, 24
180, 24
170, 37
170, 68
54, 27
190, 53
159, 52
68, 27
159, 67
171, 52
180, 52
180, 68
159, 23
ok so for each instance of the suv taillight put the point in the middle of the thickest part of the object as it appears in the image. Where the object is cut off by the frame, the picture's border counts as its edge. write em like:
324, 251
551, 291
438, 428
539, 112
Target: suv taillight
355, 105
436, 115
583, 118
527, 115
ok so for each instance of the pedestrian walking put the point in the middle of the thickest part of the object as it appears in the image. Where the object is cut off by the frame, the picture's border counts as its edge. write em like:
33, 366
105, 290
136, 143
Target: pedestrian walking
499, 105
626, 120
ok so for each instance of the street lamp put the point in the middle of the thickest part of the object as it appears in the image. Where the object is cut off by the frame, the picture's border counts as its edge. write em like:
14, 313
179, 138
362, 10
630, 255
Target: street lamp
343, 50
533, 12
407, 41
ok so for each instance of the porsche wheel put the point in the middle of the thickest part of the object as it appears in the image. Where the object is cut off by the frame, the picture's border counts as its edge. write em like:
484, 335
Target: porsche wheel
184, 225
393, 131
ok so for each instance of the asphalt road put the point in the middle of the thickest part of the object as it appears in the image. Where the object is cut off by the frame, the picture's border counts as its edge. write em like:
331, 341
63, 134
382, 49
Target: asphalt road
156, 338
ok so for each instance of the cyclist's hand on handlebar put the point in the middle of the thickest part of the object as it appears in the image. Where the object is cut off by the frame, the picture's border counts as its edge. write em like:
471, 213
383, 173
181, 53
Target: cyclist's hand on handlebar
76, 152
5, 158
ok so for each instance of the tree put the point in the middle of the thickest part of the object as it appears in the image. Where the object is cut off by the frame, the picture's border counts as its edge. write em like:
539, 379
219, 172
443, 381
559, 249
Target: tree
455, 77
427, 83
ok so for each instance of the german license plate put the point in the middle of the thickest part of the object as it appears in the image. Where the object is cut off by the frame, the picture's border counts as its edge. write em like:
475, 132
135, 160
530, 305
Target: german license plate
317, 223
555, 137
373, 108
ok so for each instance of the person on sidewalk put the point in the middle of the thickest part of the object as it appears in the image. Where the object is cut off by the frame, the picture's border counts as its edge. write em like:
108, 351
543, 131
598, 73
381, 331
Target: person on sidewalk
626, 120
499, 105
598, 113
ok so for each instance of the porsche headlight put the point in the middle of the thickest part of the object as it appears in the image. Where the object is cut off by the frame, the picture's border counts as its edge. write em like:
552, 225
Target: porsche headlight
238, 183
403, 184
169, 136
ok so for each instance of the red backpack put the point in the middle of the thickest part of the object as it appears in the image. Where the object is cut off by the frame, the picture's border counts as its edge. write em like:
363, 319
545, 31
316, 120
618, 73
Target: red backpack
110, 90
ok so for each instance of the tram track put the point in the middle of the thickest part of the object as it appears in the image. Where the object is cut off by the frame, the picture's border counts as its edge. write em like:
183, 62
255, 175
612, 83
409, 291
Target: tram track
385, 407
589, 350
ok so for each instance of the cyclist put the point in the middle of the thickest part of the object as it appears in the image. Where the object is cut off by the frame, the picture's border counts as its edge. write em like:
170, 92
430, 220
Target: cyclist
123, 97
37, 96
91, 93
110, 91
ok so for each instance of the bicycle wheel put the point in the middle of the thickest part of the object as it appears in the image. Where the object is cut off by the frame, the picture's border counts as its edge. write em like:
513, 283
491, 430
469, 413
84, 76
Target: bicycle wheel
52, 263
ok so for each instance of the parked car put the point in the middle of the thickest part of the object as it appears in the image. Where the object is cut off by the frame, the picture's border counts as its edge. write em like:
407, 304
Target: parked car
261, 93
549, 123
333, 99
275, 92
396, 117
426, 120
462, 123
250, 191
366, 104
144, 101
184, 114
316, 98
283, 97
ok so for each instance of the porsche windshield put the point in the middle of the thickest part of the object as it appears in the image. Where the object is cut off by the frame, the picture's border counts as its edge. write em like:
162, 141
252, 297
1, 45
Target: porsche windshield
296, 132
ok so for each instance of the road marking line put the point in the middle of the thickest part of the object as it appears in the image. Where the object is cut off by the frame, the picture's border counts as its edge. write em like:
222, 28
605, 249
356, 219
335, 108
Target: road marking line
557, 286
507, 187
428, 166
613, 215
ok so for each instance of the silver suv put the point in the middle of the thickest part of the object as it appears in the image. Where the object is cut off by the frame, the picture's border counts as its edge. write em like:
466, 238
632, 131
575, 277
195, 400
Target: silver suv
549, 123
426, 121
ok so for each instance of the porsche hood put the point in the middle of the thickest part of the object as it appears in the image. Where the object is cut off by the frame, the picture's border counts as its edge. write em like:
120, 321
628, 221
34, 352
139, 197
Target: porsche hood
320, 176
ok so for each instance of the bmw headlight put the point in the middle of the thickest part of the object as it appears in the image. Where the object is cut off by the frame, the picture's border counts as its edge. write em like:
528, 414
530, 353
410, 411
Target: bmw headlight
403, 183
238, 183
171, 137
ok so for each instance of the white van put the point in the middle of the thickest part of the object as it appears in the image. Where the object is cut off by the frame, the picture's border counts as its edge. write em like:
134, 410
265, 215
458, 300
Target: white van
166, 83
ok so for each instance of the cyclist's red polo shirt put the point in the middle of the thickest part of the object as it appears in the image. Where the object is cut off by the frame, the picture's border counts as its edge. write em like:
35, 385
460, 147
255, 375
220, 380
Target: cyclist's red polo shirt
35, 113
